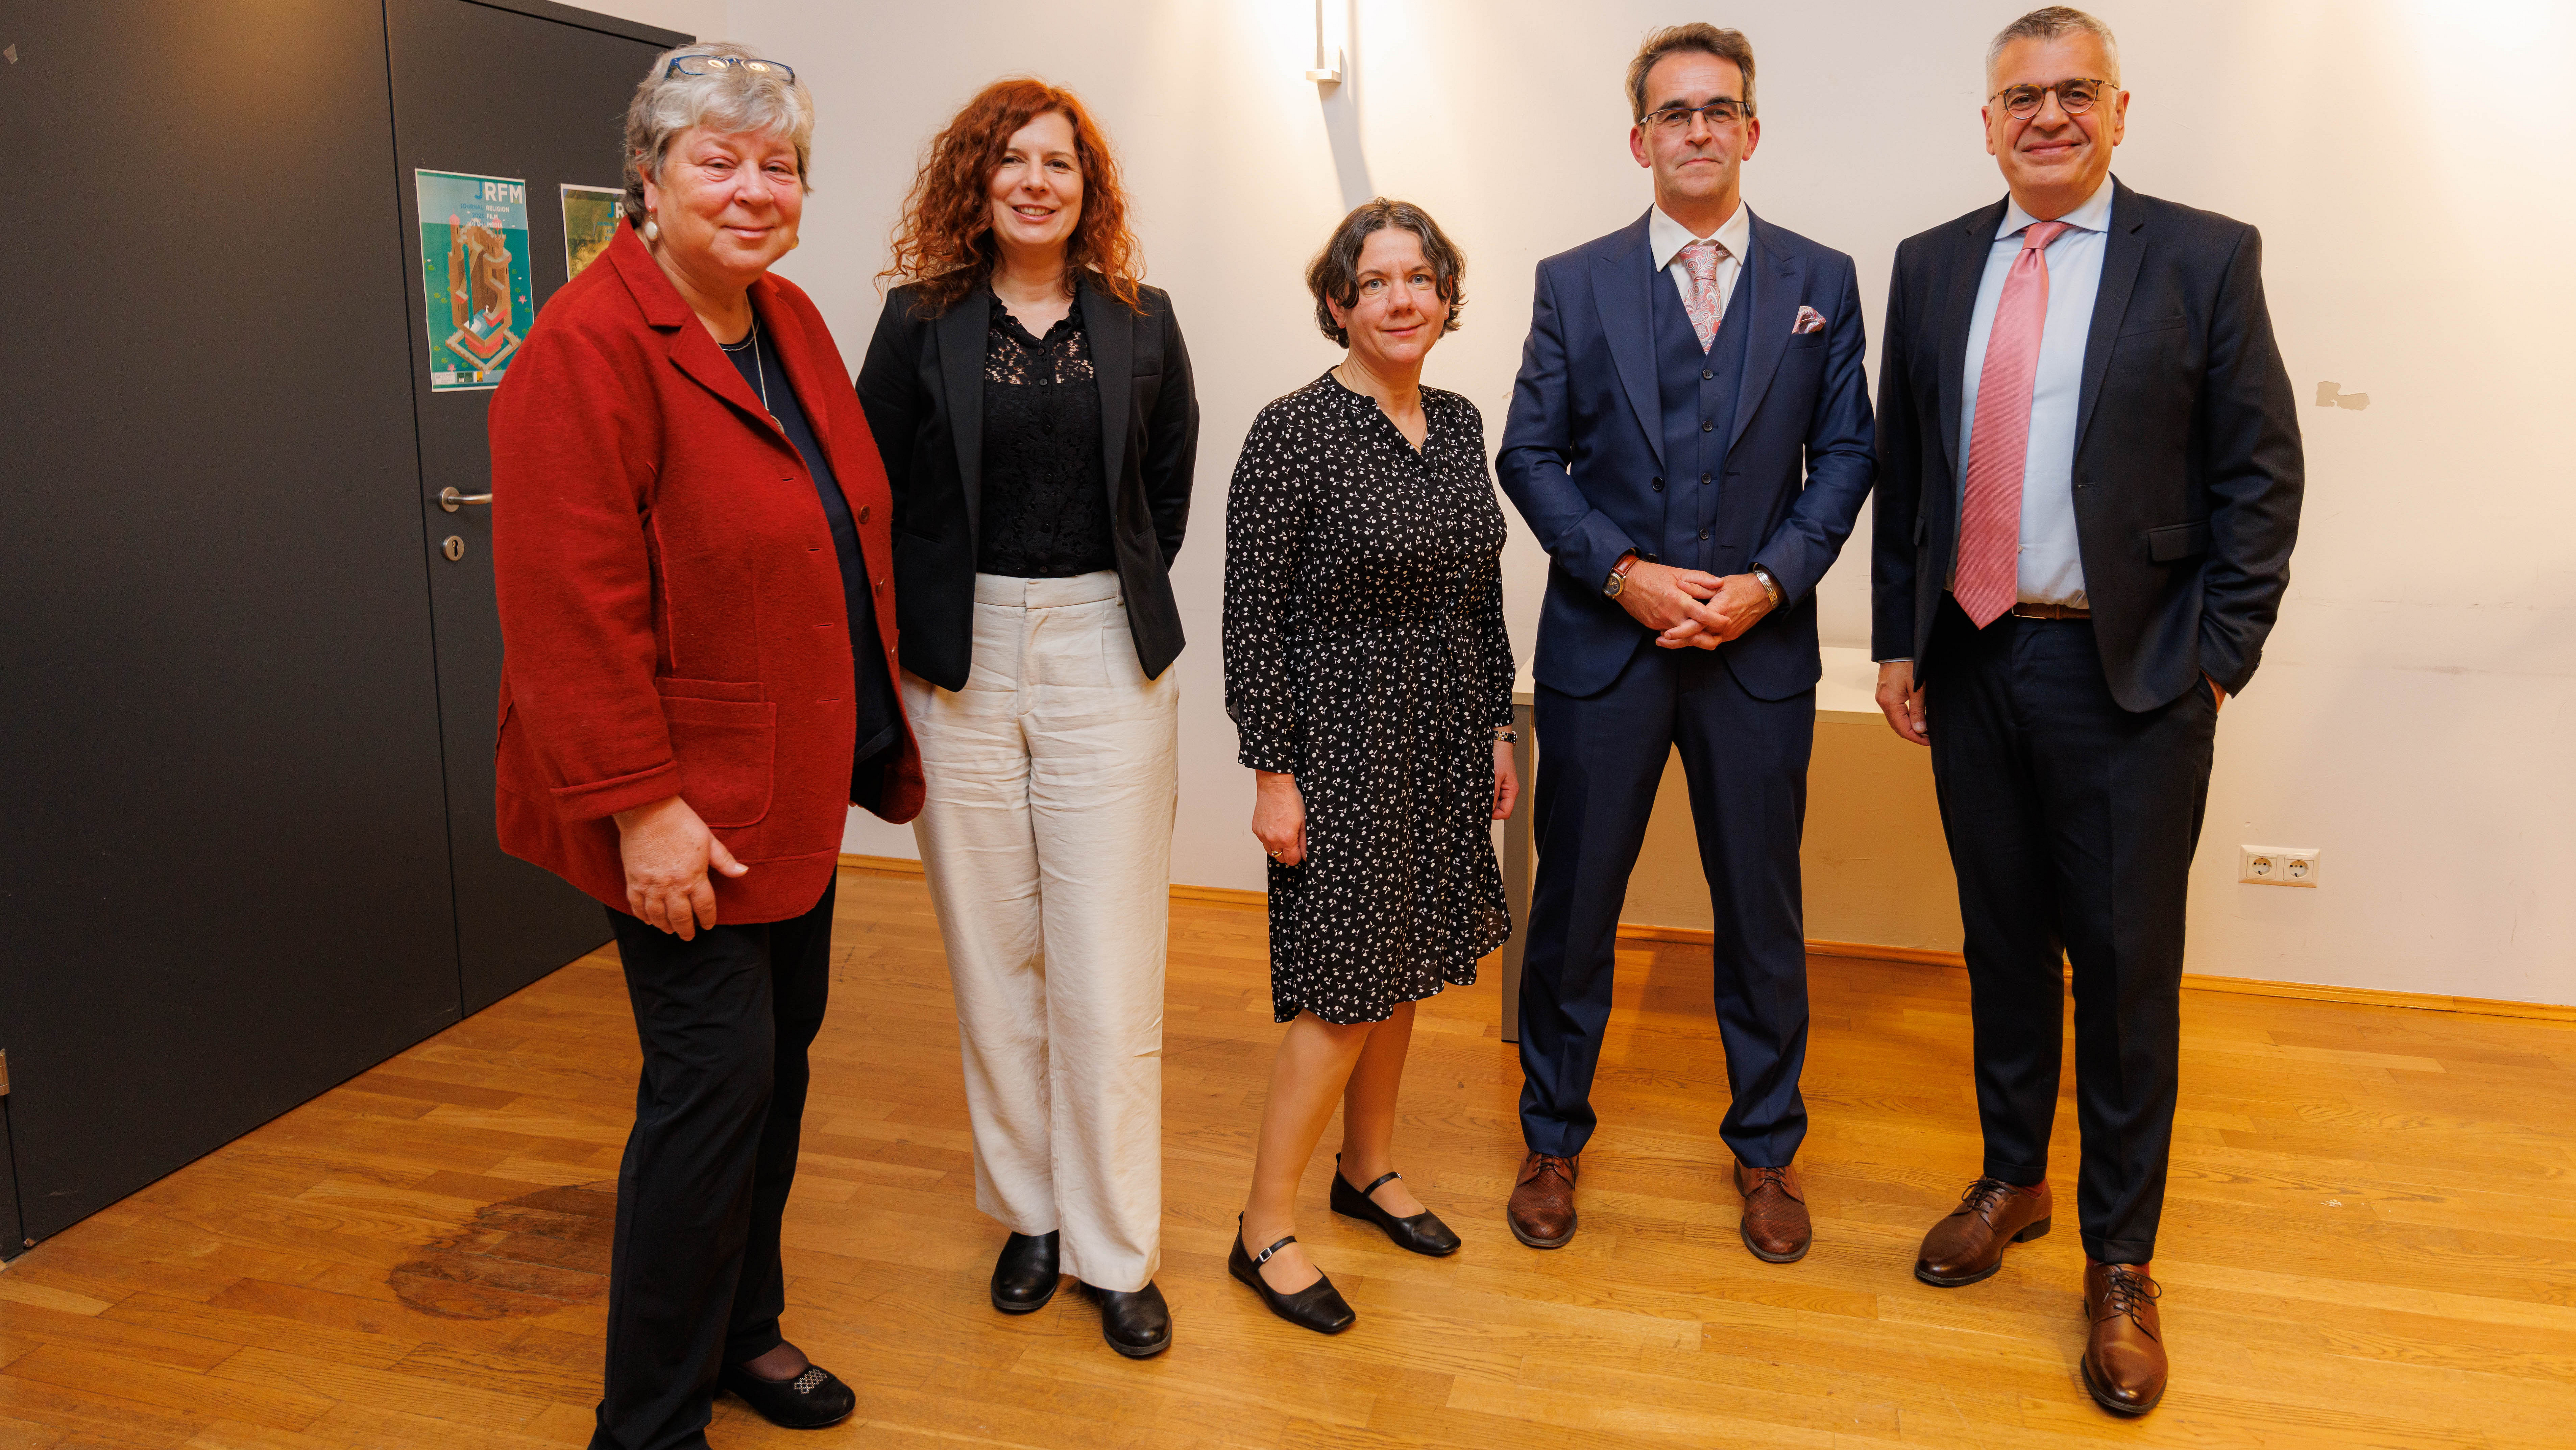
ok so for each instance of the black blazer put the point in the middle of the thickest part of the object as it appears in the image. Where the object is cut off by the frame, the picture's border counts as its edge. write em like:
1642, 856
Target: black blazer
2188, 469
922, 385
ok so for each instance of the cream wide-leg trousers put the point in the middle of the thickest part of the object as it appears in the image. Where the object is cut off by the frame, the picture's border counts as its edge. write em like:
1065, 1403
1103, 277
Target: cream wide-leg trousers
1047, 837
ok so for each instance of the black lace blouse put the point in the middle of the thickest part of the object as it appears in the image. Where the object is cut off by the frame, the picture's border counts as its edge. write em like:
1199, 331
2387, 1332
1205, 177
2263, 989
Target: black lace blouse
1046, 491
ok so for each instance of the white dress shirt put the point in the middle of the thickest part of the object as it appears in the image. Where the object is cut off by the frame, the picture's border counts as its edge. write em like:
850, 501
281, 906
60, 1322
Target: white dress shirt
1665, 239
2051, 565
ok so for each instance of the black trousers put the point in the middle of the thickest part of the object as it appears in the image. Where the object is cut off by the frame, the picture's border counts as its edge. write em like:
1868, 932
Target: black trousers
2071, 823
694, 1281
1746, 762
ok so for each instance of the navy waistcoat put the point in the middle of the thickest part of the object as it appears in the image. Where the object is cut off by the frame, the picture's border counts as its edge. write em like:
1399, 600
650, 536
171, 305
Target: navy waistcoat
1699, 392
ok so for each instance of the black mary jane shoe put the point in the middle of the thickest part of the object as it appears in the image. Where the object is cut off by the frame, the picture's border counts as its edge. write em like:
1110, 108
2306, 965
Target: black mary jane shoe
1319, 1306
1423, 1232
810, 1401
1025, 1276
1137, 1323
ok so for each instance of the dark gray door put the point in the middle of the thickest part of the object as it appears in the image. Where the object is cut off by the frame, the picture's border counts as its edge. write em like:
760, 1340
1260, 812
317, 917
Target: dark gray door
13, 1236
224, 862
538, 98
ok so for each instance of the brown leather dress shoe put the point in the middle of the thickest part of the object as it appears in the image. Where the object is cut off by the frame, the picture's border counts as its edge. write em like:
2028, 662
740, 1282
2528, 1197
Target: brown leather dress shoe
1968, 1246
1542, 1207
2124, 1356
1775, 1225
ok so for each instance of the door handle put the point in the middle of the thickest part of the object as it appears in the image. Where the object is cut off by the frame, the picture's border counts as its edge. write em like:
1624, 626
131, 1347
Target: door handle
450, 500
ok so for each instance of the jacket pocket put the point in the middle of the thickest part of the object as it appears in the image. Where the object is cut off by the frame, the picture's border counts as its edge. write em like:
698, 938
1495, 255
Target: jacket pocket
2178, 541
673, 687
727, 750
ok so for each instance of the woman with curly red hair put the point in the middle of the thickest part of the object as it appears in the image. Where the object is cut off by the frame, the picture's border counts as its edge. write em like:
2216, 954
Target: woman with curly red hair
1032, 401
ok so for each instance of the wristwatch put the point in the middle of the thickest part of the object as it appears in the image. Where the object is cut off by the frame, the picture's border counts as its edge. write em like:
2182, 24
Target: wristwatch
1618, 579
1770, 585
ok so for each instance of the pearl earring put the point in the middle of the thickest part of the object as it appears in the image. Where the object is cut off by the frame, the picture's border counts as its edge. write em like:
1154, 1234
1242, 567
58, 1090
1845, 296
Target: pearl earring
652, 229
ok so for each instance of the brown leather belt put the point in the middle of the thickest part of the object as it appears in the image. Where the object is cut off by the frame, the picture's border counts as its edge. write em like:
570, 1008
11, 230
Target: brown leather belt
2052, 611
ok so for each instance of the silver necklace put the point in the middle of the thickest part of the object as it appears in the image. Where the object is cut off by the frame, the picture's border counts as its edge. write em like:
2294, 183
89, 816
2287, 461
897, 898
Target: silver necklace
759, 369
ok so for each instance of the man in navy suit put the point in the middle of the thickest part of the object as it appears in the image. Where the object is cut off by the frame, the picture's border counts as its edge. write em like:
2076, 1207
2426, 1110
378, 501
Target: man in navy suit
1690, 441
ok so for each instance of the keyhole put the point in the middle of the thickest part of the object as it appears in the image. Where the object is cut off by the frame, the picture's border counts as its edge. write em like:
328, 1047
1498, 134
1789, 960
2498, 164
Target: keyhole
453, 548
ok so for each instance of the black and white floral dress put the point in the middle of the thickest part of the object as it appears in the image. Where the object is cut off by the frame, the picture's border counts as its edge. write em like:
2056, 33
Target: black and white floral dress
1365, 654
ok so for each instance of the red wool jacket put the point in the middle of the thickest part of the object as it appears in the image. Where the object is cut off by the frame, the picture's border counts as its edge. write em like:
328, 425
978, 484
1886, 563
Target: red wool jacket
671, 609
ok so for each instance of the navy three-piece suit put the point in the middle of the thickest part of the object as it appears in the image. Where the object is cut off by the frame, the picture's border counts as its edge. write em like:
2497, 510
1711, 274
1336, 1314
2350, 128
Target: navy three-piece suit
1624, 435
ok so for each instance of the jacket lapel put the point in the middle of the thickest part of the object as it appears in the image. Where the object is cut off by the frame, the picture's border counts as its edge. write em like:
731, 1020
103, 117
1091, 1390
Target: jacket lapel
1620, 277
1112, 328
2123, 251
1959, 307
692, 350
960, 332
788, 341
1772, 312
854, 468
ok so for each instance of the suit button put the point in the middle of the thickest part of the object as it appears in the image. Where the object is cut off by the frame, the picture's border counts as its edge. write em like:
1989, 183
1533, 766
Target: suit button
863, 513
1706, 373
1703, 533
1659, 485
1706, 426
1708, 478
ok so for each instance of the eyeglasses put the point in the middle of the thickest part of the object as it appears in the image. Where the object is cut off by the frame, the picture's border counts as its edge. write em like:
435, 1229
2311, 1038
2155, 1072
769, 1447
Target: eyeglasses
2074, 97
707, 65
1721, 112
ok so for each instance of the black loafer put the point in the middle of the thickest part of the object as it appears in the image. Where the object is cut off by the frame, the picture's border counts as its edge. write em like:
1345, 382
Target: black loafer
1025, 1276
1423, 1233
1137, 1324
810, 1401
1319, 1306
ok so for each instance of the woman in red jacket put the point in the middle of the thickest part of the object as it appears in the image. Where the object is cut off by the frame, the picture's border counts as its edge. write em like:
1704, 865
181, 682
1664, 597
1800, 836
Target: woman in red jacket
690, 539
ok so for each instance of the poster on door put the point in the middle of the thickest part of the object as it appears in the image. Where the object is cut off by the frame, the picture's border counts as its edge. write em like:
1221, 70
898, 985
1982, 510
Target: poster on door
474, 266
590, 223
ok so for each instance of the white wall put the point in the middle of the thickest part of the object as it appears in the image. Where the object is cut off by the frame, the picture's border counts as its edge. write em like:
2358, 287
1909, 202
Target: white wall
2409, 164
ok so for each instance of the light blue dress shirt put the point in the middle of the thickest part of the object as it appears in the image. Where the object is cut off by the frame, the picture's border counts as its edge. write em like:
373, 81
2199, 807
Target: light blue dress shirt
2051, 566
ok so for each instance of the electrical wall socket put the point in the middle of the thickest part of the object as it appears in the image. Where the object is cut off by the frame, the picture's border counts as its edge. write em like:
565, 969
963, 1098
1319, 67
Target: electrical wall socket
2276, 865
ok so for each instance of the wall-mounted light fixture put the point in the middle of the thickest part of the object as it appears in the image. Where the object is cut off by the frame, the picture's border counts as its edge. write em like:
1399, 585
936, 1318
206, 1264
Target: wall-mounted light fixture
1332, 41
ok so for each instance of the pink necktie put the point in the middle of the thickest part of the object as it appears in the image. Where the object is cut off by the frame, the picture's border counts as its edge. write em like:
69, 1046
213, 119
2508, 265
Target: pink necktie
1700, 258
1989, 574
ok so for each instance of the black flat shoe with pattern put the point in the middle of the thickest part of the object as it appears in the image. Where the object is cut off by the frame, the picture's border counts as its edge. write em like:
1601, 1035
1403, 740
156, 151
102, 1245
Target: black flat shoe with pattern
810, 1401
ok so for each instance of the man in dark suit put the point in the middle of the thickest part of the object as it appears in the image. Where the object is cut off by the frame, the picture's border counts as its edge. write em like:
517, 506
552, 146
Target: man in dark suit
2089, 478
1689, 440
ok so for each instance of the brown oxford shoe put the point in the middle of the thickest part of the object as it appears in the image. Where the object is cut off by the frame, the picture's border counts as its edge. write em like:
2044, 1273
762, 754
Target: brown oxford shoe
2124, 1356
1542, 1207
1968, 1246
1775, 1225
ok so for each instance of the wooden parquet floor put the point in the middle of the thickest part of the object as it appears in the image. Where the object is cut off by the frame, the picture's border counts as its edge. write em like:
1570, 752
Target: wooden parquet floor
2370, 1241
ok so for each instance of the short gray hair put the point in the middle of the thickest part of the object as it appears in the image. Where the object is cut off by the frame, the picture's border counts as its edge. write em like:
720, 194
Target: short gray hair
735, 98
2050, 23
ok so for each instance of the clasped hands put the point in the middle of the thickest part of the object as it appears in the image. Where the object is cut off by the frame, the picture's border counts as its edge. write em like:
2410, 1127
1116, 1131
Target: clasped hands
1691, 609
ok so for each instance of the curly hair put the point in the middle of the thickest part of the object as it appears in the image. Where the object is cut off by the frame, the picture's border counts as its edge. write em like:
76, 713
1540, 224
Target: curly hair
944, 239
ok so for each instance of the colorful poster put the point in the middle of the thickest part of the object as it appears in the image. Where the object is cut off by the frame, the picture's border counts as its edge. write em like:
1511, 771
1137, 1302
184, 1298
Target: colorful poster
474, 266
590, 223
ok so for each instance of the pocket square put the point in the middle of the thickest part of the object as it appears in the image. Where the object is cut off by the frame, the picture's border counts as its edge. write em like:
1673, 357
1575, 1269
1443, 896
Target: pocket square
1809, 320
